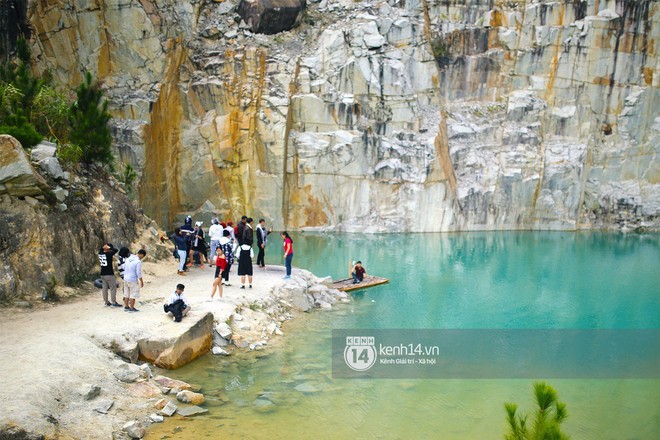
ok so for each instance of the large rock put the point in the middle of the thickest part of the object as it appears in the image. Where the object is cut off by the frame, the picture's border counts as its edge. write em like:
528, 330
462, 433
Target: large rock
175, 351
271, 16
17, 177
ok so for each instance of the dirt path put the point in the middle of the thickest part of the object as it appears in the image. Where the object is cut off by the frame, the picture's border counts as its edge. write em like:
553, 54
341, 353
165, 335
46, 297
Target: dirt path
48, 353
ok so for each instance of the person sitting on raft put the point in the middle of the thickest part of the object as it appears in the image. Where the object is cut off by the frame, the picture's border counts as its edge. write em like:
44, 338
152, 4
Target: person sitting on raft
358, 273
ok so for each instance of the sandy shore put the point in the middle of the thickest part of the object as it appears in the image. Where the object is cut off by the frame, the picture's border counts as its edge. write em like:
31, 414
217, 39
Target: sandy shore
51, 352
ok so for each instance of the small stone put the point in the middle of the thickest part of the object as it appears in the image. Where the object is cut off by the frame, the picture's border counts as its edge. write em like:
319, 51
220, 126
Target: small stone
88, 392
169, 409
323, 305
31, 201
60, 194
160, 404
128, 373
271, 328
219, 351
134, 429
52, 167
172, 383
155, 418
43, 150
103, 406
278, 332
238, 317
190, 410
223, 330
190, 397
147, 371
144, 389
62, 207
23, 304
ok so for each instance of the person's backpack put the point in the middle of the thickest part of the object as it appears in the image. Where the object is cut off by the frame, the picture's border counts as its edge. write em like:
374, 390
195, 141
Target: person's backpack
229, 252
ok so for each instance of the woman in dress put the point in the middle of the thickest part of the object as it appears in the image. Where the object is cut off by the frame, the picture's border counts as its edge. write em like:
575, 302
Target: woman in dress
245, 255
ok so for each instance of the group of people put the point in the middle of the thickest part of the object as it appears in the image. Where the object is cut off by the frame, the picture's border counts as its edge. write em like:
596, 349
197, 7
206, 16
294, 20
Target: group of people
228, 244
130, 272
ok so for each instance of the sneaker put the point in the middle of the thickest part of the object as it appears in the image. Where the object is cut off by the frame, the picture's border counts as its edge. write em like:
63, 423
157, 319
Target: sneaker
182, 273
189, 265
134, 310
107, 303
127, 309
116, 305
242, 287
210, 265
250, 286
286, 277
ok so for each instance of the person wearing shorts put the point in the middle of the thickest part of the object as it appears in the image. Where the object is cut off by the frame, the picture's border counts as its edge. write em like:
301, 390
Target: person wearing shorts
133, 280
220, 265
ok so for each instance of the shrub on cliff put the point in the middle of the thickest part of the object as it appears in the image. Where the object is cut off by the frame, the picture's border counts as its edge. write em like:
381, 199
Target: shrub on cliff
546, 420
89, 121
23, 132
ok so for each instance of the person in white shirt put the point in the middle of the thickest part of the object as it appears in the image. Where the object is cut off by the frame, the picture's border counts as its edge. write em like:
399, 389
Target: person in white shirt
179, 295
133, 280
215, 233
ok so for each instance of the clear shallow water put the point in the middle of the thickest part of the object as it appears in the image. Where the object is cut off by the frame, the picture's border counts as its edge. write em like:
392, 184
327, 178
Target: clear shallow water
476, 280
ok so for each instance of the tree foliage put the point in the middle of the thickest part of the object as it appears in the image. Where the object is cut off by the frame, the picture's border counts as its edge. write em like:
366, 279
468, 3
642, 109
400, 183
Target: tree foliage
89, 120
31, 107
546, 421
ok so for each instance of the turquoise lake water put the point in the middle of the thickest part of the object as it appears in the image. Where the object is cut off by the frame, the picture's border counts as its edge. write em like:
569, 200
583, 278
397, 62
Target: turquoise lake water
494, 280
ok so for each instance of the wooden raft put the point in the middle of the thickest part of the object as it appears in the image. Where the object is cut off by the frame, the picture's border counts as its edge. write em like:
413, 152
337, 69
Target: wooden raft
346, 284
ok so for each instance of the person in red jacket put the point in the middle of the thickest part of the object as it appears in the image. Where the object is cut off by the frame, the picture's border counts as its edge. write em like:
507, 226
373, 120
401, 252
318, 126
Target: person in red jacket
220, 264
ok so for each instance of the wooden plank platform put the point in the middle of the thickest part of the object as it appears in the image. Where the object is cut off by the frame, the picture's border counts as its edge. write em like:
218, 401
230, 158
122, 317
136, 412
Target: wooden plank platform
346, 284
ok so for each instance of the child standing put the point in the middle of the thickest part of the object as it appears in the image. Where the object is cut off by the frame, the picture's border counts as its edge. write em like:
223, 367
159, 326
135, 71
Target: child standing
220, 265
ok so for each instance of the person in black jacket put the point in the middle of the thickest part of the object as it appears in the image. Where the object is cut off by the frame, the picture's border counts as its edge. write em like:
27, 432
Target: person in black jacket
188, 230
262, 239
177, 304
248, 232
240, 227
106, 254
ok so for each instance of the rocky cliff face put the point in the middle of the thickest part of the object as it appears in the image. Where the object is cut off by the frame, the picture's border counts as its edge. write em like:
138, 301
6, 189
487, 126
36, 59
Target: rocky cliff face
52, 223
379, 115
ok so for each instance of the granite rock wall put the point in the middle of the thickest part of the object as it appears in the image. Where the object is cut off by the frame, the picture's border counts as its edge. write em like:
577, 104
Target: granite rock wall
378, 116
